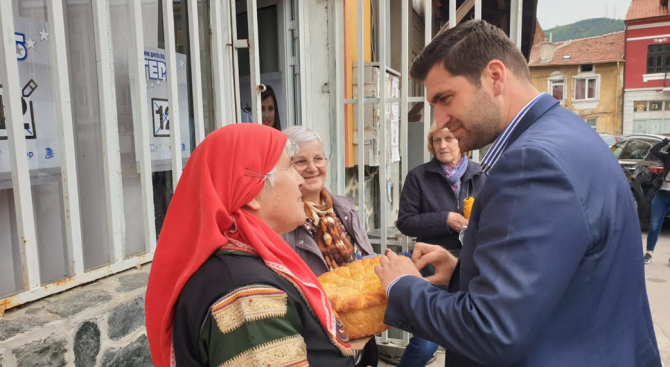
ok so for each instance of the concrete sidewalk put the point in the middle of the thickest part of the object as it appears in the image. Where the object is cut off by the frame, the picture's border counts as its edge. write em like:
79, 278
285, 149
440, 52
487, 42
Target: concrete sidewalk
657, 275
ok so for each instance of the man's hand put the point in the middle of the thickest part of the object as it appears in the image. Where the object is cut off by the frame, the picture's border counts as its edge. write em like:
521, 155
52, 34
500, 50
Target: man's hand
392, 266
443, 261
456, 221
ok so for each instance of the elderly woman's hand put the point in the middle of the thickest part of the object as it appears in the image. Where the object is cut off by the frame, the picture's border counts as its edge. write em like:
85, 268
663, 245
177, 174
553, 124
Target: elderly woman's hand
456, 221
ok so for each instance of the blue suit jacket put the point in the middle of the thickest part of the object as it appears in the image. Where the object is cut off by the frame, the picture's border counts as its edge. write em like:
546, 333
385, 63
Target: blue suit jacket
551, 271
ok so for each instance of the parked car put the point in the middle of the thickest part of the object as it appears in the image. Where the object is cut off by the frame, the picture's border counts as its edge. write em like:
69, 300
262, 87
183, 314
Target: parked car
641, 168
609, 139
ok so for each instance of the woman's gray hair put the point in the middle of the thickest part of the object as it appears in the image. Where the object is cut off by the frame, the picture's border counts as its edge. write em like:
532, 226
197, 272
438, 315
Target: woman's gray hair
301, 135
291, 149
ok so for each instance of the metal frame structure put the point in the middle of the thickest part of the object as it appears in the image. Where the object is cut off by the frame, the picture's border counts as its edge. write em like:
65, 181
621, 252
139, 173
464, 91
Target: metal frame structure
339, 101
173, 91
33, 288
109, 126
516, 19
255, 73
138, 92
23, 200
221, 58
226, 96
196, 73
428, 36
69, 164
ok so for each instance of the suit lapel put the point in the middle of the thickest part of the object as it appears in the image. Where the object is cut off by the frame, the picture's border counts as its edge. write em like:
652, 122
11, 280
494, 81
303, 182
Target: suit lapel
543, 104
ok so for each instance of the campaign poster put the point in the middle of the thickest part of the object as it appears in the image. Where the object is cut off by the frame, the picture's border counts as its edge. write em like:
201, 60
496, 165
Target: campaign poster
40, 127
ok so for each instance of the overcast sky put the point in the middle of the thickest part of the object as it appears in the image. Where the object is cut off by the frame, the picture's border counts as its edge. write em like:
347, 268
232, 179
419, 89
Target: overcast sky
551, 13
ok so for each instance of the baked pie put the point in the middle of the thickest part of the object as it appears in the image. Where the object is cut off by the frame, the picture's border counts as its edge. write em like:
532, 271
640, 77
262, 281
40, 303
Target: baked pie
356, 295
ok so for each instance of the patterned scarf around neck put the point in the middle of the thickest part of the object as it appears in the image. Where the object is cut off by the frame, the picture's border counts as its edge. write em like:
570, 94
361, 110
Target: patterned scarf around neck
454, 174
329, 232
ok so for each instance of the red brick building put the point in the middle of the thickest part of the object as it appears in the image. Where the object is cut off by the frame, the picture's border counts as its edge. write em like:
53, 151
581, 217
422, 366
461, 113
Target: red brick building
646, 107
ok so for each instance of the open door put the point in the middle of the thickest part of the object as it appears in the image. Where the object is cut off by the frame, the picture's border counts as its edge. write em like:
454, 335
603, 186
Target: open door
265, 67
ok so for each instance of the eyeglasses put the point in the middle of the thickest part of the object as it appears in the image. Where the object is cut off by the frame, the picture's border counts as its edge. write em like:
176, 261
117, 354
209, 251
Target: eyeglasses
302, 164
449, 139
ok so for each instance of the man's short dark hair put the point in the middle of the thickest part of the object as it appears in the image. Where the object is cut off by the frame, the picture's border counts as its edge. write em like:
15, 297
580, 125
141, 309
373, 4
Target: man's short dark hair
466, 50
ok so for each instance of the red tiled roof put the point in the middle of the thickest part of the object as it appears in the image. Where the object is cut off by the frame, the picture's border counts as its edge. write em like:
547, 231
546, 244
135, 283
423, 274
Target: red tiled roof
640, 9
593, 50
539, 34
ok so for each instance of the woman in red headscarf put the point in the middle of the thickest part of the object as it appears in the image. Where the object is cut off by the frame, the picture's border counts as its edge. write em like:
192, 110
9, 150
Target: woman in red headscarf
224, 288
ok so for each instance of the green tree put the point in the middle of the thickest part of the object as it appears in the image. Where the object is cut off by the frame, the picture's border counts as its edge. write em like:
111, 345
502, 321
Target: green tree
585, 28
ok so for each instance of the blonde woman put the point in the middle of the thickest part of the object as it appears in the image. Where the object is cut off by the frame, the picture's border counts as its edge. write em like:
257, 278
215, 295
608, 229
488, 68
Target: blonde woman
431, 209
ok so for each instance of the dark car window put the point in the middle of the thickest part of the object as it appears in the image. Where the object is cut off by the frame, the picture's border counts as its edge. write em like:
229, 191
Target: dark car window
618, 148
636, 150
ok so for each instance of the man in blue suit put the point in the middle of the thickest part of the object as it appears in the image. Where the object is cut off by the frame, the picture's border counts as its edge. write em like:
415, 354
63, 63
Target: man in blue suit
551, 270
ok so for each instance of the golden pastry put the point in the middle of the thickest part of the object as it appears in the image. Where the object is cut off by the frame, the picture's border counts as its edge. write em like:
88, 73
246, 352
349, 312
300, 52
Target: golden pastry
356, 294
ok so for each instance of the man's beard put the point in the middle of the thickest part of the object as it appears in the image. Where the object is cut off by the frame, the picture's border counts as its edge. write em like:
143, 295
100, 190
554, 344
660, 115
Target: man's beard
483, 125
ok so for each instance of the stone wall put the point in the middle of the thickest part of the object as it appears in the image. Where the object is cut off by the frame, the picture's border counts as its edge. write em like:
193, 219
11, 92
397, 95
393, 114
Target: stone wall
100, 324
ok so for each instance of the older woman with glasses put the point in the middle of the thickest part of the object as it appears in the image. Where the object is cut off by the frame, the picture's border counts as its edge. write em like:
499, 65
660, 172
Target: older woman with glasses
332, 235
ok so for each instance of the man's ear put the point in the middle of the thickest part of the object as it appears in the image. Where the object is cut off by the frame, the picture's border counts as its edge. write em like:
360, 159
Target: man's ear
496, 74
254, 204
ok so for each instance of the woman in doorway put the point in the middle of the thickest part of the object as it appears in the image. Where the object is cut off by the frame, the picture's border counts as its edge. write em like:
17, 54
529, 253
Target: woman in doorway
431, 209
269, 108
328, 217
224, 288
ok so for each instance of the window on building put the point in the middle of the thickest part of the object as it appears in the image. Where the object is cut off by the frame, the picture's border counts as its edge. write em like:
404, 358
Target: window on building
639, 126
658, 58
585, 68
593, 122
666, 126
557, 88
640, 106
656, 106
654, 126
586, 88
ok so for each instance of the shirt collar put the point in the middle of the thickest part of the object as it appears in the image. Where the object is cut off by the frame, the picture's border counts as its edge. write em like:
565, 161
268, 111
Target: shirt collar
499, 145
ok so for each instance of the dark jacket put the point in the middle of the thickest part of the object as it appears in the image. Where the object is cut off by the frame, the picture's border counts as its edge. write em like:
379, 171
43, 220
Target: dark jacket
657, 151
427, 199
223, 273
306, 246
551, 271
